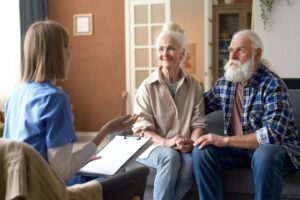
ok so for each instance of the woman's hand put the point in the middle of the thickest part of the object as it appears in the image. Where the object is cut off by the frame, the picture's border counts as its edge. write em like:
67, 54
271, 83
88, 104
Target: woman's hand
94, 157
170, 142
180, 143
184, 145
114, 125
119, 124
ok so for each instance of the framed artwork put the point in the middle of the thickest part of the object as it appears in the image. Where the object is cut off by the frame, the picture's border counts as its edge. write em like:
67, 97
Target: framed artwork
190, 61
83, 24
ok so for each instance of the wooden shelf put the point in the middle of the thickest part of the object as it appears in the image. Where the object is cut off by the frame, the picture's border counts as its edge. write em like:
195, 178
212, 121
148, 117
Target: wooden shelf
227, 20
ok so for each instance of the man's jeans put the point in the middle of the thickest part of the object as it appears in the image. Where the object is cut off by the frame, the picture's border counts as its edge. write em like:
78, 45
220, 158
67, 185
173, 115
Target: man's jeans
174, 176
269, 163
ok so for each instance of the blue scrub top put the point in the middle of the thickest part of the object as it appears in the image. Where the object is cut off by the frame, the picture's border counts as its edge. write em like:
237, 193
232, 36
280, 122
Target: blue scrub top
40, 115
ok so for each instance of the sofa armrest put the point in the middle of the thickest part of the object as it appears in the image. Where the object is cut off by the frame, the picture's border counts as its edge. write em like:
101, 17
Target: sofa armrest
125, 185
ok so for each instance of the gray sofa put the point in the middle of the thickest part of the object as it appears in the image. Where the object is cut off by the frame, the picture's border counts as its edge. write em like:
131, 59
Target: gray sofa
238, 183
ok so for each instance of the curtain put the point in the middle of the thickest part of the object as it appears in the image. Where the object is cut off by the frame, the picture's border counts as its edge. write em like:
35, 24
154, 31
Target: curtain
30, 11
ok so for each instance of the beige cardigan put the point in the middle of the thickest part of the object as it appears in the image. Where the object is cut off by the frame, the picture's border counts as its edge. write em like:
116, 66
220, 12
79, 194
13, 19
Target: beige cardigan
26, 175
166, 116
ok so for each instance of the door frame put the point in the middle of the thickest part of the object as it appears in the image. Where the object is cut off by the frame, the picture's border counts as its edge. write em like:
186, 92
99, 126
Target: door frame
129, 43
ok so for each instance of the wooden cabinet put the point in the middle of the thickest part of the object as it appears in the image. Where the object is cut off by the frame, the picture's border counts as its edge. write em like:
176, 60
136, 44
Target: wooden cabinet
227, 19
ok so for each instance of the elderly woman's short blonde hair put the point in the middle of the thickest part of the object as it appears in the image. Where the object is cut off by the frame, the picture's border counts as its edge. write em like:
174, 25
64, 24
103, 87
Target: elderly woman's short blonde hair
44, 52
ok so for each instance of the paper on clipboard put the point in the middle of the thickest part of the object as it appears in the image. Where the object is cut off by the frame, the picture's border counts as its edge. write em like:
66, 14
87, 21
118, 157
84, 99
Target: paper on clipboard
116, 155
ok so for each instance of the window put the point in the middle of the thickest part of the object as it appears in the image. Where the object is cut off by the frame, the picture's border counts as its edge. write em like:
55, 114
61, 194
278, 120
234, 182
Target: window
10, 53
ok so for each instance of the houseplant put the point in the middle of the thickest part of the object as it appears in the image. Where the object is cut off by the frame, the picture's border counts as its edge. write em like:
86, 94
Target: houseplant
266, 7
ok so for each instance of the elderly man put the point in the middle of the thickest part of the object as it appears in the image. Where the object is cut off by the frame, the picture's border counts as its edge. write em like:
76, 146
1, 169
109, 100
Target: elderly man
259, 128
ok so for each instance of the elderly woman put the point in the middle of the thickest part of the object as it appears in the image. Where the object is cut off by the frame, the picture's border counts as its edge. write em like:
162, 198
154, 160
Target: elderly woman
170, 108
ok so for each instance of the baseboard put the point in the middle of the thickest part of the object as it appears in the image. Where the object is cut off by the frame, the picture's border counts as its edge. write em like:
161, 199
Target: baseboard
86, 133
84, 137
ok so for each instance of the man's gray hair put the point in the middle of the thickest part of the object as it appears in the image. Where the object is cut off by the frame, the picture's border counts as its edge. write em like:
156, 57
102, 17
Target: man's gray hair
255, 39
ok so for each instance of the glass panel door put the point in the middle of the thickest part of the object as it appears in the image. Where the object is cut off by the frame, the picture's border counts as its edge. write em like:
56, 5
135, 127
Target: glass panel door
144, 18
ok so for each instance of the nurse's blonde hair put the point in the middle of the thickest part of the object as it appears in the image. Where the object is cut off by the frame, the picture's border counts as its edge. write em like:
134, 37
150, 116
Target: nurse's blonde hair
44, 52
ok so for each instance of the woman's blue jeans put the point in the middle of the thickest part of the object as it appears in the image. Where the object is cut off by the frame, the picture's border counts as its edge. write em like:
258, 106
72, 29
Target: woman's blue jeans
174, 173
269, 163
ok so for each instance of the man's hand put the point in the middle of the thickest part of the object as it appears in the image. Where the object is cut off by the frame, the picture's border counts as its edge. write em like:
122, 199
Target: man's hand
211, 138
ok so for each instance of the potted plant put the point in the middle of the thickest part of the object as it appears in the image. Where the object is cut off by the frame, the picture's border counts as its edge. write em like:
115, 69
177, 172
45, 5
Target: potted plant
266, 7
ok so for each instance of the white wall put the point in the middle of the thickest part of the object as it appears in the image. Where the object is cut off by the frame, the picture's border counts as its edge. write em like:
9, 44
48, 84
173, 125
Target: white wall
282, 37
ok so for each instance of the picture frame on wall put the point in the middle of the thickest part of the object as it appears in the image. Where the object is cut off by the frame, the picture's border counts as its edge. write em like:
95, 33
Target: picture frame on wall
189, 65
83, 24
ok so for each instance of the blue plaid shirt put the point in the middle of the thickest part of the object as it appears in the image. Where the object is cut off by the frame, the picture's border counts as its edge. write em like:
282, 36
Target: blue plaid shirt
266, 110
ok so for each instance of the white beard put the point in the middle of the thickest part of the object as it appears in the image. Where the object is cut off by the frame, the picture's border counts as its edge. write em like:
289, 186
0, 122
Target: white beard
236, 71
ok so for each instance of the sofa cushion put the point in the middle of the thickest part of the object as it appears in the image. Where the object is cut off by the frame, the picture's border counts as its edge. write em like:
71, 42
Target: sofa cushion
291, 185
215, 123
240, 180
294, 97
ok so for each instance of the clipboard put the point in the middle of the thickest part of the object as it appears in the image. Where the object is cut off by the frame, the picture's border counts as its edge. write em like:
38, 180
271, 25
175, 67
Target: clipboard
116, 155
